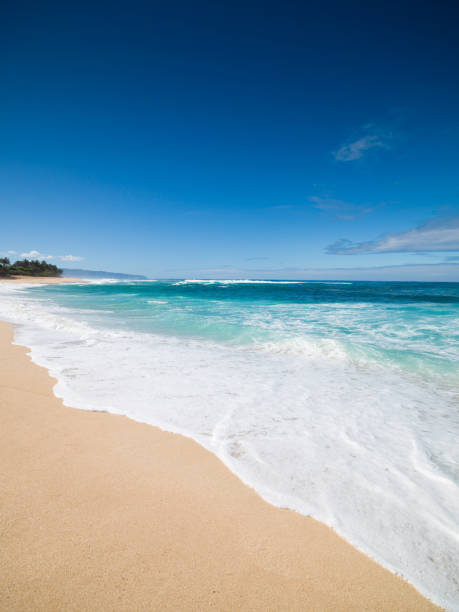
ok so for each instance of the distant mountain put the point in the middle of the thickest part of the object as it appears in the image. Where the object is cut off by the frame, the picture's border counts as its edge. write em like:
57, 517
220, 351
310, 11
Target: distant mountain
76, 273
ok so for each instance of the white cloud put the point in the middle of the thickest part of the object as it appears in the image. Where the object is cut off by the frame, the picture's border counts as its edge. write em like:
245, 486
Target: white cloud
36, 255
434, 236
12, 252
373, 136
70, 258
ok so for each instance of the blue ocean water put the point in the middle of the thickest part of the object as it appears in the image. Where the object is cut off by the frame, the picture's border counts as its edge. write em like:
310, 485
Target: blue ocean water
413, 325
336, 399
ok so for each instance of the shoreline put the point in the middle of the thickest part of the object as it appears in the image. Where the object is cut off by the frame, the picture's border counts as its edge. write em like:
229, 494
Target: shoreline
102, 512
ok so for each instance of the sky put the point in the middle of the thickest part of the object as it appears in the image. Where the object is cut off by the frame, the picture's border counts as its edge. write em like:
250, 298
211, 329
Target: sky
232, 139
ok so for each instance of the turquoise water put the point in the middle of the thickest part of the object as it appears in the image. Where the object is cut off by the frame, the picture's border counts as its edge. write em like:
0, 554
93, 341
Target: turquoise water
338, 400
409, 325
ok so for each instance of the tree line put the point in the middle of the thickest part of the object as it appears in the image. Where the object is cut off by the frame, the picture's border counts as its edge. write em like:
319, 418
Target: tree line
27, 267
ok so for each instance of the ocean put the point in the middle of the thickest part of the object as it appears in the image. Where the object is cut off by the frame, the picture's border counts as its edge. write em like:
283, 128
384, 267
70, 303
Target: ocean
336, 399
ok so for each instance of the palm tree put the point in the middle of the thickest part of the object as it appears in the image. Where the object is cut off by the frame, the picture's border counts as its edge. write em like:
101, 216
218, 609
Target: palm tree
4, 263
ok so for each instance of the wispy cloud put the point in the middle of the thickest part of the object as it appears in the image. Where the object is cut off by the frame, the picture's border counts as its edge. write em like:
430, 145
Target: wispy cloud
70, 258
346, 211
33, 254
372, 136
256, 258
434, 236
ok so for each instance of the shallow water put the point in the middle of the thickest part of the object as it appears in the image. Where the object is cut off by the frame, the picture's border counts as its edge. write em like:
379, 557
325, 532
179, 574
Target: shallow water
339, 400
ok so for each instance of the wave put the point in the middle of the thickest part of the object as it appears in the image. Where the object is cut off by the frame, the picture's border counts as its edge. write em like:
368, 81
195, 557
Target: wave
235, 282
259, 282
115, 281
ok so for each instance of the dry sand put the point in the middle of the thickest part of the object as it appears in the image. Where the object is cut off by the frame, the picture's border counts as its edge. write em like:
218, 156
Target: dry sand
46, 280
101, 513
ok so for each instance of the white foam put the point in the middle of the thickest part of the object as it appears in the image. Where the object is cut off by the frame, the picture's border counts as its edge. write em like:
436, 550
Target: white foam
235, 282
323, 348
364, 448
115, 281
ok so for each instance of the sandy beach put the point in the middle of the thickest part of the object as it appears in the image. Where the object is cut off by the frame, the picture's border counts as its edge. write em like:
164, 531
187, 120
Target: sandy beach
37, 280
99, 512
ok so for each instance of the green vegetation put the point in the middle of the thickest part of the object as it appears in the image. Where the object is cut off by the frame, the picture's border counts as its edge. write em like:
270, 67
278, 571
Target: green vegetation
27, 267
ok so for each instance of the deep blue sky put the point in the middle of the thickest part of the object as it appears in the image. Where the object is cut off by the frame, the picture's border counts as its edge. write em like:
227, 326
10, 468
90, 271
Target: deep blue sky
233, 139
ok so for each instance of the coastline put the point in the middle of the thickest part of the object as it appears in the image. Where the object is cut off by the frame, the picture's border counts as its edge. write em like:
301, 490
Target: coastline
101, 512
